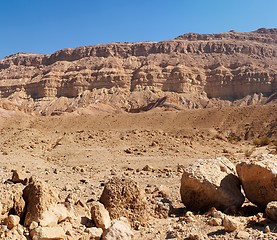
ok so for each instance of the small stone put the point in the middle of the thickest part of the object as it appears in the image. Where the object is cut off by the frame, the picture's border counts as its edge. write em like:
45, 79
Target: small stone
218, 214
230, 224
33, 225
163, 191
243, 235
215, 222
271, 210
189, 214
71, 198
147, 168
171, 234
137, 225
267, 229
11, 221
194, 237
45, 233
190, 219
20, 229
94, 233
118, 230
100, 216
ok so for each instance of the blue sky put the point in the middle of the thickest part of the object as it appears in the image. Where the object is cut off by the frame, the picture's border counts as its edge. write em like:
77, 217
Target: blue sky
44, 26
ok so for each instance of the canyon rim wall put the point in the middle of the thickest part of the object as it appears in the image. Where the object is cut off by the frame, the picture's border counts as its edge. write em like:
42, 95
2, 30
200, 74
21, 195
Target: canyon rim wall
191, 71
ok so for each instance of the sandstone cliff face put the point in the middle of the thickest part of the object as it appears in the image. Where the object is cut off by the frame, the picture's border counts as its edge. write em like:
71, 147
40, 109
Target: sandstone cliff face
192, 69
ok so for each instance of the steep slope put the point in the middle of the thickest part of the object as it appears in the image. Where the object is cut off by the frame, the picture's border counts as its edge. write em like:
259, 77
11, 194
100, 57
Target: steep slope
193, 71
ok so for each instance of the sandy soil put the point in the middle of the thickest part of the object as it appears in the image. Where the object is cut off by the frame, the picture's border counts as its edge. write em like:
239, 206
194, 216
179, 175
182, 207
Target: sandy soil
79, 153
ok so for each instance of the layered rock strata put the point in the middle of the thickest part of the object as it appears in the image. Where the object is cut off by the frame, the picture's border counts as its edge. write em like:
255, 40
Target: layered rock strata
194, 67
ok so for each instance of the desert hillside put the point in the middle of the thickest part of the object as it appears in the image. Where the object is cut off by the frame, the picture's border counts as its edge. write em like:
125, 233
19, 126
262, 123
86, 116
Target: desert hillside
191, 71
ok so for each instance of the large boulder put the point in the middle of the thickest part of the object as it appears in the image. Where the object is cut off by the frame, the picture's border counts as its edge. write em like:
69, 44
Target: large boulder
259, 180
211, 183
122, 197
41, 202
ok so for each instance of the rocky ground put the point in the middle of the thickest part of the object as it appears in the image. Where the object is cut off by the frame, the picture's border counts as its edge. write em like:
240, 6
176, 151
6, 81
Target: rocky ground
73, 158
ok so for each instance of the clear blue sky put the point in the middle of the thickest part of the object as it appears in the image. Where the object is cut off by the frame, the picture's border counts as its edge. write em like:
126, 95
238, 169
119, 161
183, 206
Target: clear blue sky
44, 26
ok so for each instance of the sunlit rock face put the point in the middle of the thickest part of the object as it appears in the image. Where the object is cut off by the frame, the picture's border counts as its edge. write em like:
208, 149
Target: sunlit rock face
192, 67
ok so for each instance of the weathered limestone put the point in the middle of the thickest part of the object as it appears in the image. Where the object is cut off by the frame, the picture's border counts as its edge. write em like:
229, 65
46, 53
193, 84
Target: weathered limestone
259, 180
211, 183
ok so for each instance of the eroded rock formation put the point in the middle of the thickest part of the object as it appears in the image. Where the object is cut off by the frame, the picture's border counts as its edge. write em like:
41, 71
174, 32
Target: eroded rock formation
192, 69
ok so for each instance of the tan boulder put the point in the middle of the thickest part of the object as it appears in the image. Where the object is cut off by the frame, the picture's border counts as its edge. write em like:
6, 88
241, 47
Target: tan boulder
231, 224
40, 198
215, 222
93, 233
118, 230
211, 183
122, 197
243, 235
48, 233
100, 215
259, 180
271, 211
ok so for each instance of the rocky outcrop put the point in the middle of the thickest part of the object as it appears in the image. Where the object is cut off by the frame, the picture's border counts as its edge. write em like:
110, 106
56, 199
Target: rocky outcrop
259, 180
40, 198
211, 183
194, 68
262, 35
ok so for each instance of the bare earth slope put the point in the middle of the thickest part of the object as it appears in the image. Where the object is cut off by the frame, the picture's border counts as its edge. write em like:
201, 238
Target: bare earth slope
193, 71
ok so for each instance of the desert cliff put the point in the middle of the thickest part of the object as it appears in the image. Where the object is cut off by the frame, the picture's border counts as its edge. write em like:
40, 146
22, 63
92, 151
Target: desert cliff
192, 71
